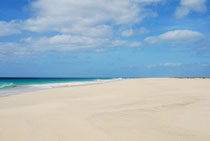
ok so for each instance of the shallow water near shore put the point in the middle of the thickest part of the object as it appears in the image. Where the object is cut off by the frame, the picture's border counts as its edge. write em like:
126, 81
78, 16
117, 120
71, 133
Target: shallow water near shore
11, 86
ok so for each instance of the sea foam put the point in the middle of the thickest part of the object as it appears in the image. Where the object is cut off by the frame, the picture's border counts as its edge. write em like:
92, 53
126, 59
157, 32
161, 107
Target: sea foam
8, 89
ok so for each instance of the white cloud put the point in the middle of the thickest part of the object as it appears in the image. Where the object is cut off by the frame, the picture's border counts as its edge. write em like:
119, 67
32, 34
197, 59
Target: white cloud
165, 65
182, 12
135, 44
65, 42
204, 65
10, 50
170, 64
190, 5
176, 36
147, 1
9, 28
77, 24
89, 16
128, 33
62, 42
142, 30
133, 32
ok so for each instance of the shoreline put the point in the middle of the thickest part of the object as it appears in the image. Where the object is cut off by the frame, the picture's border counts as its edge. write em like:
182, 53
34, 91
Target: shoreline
46, 86
151, 109
69, 84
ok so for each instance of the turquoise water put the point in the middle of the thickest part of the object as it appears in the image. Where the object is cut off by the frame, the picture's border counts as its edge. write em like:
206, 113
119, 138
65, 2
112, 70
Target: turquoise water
10, 83
9, 86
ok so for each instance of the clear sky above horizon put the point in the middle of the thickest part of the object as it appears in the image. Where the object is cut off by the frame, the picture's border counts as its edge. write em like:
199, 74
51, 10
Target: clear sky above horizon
105, 38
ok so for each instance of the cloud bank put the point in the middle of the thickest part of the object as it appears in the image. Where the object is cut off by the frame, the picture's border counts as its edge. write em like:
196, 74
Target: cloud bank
64, 25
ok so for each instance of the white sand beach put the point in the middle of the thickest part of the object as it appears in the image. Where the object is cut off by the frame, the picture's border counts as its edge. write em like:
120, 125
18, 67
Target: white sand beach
153, 109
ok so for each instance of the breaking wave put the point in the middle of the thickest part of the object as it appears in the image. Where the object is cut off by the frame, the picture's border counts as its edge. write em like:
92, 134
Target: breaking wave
7, 85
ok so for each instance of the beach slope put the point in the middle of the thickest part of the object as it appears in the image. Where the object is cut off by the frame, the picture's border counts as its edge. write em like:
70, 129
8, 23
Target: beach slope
155, 109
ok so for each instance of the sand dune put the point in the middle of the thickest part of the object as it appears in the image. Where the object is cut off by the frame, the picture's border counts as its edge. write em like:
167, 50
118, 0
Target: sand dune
159, 109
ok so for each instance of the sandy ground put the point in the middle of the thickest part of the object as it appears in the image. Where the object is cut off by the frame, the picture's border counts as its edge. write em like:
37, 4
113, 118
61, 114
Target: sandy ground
166, 109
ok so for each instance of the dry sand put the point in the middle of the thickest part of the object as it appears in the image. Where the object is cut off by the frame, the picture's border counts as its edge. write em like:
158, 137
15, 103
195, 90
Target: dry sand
166, 109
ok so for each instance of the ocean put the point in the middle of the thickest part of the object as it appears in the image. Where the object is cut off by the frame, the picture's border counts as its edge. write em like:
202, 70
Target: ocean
11, 86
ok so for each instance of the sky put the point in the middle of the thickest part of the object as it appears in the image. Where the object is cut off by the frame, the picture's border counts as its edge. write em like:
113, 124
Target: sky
105, 38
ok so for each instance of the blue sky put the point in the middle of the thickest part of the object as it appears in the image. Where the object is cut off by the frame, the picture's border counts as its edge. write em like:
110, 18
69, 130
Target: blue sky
104, 38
